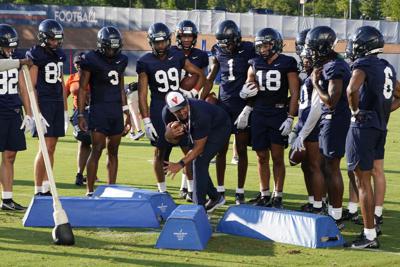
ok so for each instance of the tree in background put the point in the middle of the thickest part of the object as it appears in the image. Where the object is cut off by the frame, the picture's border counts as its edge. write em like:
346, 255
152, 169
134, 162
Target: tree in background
391, 9
371, 9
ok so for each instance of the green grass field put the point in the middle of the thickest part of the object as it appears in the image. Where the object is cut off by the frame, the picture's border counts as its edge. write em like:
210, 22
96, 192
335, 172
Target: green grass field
21, 246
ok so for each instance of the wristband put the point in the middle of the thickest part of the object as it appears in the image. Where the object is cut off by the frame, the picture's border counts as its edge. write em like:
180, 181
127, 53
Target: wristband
182, 163
125, 108
354, 113
80, 115
290, 116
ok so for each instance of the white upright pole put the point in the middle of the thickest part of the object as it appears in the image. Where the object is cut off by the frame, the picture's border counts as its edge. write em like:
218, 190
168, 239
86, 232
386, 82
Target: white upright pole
350, 1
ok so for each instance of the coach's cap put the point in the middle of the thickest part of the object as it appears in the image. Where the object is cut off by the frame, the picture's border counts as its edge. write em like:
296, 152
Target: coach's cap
175, 101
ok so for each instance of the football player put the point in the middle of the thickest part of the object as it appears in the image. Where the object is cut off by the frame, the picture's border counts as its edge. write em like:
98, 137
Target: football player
160, 72
230, 57
12, 138
370, 94
330, 78
272, 118
103, 70
186, 39
83, 138
304, 137
48, 80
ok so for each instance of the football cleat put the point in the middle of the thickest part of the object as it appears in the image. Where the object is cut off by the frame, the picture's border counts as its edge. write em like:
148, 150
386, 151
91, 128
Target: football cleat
11, 205
189, 197
308, 207
276, 202
339, 223
256, 199
212, 204
239, 199
79, 179
362, 243
235, 160
264, 201
353, 217
183, 192
378, 219
136, 136
46, 194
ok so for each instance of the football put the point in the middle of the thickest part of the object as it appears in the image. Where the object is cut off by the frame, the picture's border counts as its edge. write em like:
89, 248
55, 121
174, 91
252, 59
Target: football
296, 157
174, 125
188, 82
211, 98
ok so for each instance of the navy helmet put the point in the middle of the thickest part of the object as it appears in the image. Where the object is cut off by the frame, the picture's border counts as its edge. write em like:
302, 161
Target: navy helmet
8, 38
156, 33
300, 41
109, 41
271, 37
189, 28
50, 29
228, 36
367, 40
319, 44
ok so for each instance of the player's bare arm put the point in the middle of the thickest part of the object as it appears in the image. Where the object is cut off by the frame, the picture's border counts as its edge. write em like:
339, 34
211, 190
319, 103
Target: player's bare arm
208, 85
294, 88
357, 79
142, 90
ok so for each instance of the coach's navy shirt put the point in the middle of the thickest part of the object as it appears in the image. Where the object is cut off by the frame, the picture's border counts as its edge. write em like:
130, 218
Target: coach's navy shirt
205, 120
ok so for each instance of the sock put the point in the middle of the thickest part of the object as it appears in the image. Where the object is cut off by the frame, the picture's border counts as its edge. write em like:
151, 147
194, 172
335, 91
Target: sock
183, 181
38, 189
265, 193
378, 210
162, 187
6, 195
220, 188
317, 204
190, 185
240, 190
370, 234
352, 207
311, 199
324, 199
46, 186
278, 194
337, 213
330, 210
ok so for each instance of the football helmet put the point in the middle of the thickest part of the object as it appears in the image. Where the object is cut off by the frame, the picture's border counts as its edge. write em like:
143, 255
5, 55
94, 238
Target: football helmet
189, 28
271, 37
159, 32
50, 29
8, 38
367, 40
300, 41
319, 45
228, 36
109, 41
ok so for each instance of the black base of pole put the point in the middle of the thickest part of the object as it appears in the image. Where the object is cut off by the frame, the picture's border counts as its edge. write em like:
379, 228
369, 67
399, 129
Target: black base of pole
63, 235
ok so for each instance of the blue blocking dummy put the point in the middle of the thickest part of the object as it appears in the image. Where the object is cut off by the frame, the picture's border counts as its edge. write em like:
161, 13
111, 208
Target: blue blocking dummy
93, 212
186, 228
284, 226
162, 203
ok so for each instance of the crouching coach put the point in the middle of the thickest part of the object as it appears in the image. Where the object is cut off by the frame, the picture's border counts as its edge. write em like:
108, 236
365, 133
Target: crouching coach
207, 128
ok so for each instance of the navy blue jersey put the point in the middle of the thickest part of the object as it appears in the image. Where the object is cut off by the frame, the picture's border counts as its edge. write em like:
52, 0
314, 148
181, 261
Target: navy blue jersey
306, 90
163, 75
273, 80
377, 91
197, 57
10, 102
50, 71
204, 119
233, 69
104, 76
336, 69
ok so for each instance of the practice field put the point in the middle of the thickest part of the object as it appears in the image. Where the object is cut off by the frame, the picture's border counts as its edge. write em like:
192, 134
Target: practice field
21, 246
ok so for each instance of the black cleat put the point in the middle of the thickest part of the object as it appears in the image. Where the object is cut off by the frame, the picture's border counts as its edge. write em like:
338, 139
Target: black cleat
79, 179
339, 224
378, 219
89, 194
212, 204
46, 194
319, 211
183, 192
189, 197
11, 205
353, 217
276, 202
222, 194
239, 199
256, 199
308, 207
263, 201
362, 243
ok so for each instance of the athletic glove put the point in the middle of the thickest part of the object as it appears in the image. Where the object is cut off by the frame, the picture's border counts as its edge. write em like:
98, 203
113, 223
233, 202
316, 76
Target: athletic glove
189, 94
66, 121
28, 124
150, 130
286, 126
248, 90
243, 119
292, 137
298, 144
42, 122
